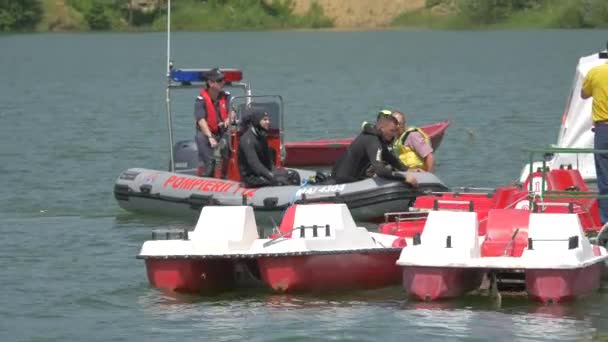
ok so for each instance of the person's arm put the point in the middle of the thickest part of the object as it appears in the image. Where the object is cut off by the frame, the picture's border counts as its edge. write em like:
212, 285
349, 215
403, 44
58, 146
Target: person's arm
429, 162
393, 161
417, 142
202, 125
587, 87
200, 113
251, 156
375, 152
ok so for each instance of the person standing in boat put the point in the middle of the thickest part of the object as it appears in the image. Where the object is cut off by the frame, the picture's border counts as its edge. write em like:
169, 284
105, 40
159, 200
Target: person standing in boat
412, 146
595, 85
255, 160
212, 117
369, 155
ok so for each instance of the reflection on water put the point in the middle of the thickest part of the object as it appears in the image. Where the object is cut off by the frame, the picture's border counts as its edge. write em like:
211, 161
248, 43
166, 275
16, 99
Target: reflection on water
384, 310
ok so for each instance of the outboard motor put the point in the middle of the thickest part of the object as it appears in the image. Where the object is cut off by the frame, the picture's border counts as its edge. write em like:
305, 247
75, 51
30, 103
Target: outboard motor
185, 153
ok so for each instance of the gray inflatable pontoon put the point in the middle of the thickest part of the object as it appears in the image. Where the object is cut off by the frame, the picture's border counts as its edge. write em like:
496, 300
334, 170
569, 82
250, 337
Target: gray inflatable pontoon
181, 193
169, 193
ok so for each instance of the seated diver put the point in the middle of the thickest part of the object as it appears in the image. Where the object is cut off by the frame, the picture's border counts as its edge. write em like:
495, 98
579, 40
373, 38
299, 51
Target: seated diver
255, 162
369, 155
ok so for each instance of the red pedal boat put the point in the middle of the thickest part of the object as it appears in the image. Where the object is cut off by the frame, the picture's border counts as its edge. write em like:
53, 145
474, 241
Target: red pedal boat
548, 252
347, 257
544, 251
318, 249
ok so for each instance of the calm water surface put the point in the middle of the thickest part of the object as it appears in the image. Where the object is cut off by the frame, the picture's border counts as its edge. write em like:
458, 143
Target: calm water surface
76, 109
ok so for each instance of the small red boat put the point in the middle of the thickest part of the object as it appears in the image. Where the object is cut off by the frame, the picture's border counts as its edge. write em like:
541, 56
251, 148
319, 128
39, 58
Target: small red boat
346, 258
205, 260
319, 248
495, 231
325, 152
549, 250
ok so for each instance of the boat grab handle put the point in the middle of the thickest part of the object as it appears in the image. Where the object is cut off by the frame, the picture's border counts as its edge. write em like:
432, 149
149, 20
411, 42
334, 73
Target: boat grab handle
437, 202
403, 215
573, 242
302, 231
570, 205
467, 188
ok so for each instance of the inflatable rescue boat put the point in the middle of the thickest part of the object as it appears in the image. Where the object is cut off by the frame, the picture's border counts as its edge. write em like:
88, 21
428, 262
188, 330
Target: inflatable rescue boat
180, 192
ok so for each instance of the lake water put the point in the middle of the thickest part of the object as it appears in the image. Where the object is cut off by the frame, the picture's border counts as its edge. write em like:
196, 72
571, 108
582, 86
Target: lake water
77, 109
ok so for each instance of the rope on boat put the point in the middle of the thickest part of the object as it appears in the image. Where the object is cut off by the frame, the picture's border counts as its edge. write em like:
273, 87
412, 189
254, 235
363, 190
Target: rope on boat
303, 185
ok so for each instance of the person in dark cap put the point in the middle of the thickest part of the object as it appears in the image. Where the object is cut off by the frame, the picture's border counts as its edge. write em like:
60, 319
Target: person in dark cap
212, 117
255, 160
369, 155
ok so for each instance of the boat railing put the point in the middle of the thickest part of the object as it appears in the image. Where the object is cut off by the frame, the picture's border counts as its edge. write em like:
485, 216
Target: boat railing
302, 228
417, 213
542, 205
461, 191
573, 242
400, 216
170, 234
437, 202
541, 192
469, 189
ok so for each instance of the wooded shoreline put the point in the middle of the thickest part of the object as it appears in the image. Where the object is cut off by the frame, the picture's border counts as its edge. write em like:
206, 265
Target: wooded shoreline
240, 15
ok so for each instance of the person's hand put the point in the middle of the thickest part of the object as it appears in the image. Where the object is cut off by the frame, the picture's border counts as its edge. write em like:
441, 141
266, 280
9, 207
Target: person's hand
227, 123
270, 177
212, 142
411, 180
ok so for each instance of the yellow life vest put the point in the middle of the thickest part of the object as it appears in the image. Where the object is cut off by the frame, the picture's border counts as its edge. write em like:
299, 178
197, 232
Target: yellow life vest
406, 154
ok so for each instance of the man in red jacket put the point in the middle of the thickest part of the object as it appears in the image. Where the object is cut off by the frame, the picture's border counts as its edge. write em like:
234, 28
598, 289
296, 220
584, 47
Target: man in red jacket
212, 117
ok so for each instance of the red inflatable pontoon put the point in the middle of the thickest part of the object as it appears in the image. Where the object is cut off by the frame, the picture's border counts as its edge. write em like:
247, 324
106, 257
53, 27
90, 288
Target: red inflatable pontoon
325, 152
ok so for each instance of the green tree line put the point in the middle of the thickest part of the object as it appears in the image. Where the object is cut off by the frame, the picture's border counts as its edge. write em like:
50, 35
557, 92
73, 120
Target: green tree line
24, 15
529, 13
16, 15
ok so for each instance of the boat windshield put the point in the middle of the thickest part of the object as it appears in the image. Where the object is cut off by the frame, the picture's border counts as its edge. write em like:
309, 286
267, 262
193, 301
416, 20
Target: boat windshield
272, 104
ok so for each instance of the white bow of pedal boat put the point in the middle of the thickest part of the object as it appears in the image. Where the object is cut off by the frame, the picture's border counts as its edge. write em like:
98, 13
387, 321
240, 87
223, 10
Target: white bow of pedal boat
549, 249
320, 248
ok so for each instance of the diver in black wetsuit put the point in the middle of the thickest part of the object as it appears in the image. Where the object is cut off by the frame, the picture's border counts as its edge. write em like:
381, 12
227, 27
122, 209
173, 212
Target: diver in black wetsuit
368, 155
255, 162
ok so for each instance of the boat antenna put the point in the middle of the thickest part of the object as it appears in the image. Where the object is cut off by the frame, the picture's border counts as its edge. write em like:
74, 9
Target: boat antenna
168, 92
168, 38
